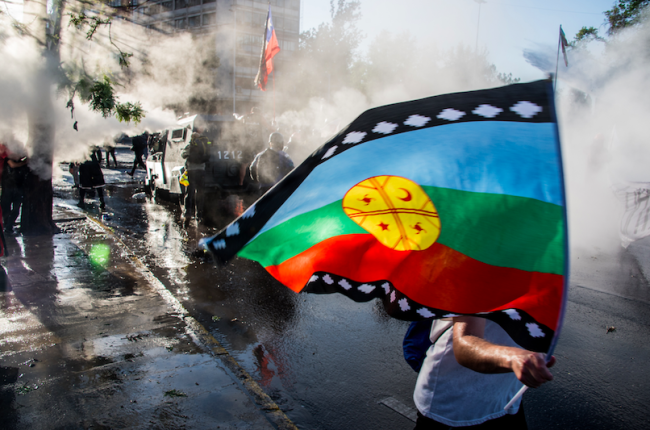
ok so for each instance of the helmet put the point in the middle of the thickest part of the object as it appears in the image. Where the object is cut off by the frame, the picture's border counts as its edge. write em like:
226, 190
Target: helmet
276, 140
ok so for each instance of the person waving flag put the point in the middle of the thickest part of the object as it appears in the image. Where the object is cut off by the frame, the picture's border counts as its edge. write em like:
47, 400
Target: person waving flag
270, 47
440, 207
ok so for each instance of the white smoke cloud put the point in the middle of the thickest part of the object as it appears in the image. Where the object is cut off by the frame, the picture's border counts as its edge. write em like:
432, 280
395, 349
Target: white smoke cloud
602, 108
163, 71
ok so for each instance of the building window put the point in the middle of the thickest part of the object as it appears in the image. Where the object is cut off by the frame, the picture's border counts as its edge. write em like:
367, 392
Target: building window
278, 22
191, 3
166, 5
180, 4
209, 19
287, 45
259, 20
291, 25
209, 1
194, 21
249, 43
293, 4
180, 23
245, 83
244, 17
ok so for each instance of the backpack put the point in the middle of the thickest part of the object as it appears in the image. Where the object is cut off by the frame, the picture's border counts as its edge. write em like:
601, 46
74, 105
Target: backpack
416, 343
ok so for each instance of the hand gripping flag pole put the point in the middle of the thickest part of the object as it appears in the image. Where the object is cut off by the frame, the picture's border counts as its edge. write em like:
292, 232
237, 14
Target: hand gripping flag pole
556, 335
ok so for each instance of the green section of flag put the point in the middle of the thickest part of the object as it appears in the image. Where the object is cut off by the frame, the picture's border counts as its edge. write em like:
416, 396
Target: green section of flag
497, 229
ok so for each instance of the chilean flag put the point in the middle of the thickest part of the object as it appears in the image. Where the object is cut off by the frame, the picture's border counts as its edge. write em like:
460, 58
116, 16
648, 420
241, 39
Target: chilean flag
270, 47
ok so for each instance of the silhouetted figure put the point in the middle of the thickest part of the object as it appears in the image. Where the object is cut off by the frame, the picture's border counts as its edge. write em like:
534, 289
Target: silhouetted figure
98, 153
139, 146
196, 155
109, 148
14, 173
272, 164
74, 171
91, 180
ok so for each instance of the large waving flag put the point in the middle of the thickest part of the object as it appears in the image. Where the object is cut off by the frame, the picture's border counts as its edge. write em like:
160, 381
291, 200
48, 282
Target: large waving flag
443, 206
270, 47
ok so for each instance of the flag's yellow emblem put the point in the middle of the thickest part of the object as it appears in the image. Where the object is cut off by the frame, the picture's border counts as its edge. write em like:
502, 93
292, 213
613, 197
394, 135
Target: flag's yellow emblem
395, 210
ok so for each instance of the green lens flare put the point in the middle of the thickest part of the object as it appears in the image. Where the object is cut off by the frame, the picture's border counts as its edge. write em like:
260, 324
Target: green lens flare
100, 254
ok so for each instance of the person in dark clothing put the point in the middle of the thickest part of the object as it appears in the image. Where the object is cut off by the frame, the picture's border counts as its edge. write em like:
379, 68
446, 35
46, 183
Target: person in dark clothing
74, 171
109, 148
272, 164
196, 155
139, 147
91, 180
13, 179
98, 153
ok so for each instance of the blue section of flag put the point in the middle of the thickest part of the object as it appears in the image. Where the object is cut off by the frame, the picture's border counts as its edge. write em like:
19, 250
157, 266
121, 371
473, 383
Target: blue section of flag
269, 27
518, 159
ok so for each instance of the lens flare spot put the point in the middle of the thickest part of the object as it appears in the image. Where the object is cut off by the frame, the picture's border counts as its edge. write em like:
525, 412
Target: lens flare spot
100, 254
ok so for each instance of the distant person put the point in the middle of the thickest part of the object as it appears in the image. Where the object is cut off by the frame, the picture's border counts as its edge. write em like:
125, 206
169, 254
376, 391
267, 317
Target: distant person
98, 153
272, 164
3, 243
14, 173
91, 180
74, 171
196, 155
139, 146
109, 148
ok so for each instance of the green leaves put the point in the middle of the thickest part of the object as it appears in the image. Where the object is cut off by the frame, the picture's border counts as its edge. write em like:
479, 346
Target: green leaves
625, 14
586, 34
101, 96
80, 19
127, 112
123, 58
100, 93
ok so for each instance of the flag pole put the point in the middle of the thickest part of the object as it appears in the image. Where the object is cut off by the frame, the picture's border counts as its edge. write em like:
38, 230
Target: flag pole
274, 97
557, 62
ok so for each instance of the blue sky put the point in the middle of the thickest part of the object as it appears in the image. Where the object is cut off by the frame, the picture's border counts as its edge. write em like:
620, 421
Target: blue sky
506, 28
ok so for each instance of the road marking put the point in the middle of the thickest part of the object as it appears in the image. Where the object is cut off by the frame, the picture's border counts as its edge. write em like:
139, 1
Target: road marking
400, 408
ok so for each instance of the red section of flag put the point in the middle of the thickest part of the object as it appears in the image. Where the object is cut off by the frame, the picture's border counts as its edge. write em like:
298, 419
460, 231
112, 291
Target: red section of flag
462, 284
270, 47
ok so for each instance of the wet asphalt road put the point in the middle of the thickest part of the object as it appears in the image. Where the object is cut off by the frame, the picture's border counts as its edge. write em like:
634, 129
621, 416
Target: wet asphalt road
327, 361
89, 342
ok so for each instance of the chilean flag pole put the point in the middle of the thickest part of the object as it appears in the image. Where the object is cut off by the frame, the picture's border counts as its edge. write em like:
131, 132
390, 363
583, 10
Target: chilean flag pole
270, 47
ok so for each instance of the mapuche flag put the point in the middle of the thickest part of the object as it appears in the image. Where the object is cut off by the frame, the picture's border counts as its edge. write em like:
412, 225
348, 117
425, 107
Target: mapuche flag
270, 47
445, 206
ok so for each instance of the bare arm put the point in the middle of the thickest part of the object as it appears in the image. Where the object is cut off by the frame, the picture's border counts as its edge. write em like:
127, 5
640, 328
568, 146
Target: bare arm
13, 164
474, 352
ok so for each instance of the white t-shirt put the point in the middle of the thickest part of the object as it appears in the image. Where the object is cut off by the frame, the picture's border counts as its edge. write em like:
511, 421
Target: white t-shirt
455, 395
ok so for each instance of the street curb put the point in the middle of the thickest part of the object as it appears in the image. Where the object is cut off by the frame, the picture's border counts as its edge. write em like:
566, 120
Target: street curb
272, 411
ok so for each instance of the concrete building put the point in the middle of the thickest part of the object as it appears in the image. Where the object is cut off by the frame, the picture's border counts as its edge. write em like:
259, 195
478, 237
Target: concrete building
238, 27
